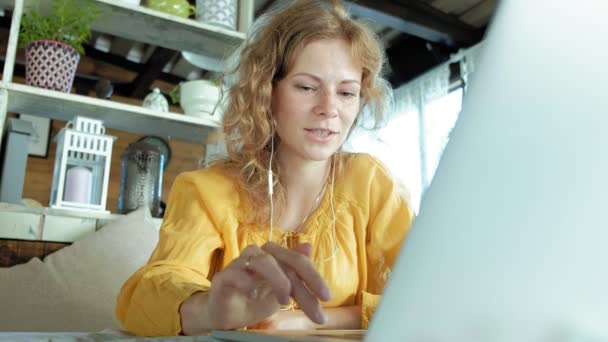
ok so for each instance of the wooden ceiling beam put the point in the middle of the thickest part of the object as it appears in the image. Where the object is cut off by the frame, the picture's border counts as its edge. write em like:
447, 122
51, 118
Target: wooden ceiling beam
418, 19
107, 57
152, 70
411, 56
126, 64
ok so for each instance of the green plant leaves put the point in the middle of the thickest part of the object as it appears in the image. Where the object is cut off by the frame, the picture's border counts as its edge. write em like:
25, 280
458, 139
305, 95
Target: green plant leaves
69, 22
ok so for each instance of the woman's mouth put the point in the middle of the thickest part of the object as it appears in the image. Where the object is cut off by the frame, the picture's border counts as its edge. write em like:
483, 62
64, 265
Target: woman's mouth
320, 134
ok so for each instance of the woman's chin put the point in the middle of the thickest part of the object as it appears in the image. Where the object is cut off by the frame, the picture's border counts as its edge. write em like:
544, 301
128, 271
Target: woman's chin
320, 155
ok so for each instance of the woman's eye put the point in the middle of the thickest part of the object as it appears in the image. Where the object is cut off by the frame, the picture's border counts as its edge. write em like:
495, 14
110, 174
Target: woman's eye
306, 88
348, 94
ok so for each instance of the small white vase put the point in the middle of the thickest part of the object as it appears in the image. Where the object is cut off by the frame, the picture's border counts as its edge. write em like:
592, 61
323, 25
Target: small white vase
156, 101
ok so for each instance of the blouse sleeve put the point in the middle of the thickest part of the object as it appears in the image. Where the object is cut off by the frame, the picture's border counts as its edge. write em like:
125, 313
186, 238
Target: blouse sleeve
389, 222
148, 303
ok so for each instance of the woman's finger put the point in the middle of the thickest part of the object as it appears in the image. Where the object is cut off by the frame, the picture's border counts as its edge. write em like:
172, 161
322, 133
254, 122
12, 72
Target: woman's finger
304, 249
267, 269
236, 275
235, 278
307, 302
303, 268
249, 251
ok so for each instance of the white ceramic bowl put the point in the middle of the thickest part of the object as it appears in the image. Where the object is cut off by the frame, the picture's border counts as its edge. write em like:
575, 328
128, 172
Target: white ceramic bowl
199, 98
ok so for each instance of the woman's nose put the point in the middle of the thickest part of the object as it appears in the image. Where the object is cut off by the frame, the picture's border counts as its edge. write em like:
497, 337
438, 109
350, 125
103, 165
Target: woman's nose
327, 104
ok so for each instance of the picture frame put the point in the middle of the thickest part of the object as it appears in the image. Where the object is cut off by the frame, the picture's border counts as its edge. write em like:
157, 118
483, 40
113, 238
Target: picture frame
39, 143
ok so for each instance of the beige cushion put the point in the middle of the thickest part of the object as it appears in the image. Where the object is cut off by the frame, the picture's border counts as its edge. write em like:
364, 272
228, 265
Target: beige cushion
75, 288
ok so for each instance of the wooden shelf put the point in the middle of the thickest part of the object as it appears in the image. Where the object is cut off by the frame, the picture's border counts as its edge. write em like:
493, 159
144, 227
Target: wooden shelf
149, 26
62, 106
136, 23
82, 214
153, 27
47, 224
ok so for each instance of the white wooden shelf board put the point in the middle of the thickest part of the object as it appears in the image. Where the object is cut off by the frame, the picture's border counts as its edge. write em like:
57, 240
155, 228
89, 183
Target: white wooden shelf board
57, 225
153, 27
125, 117
149, 26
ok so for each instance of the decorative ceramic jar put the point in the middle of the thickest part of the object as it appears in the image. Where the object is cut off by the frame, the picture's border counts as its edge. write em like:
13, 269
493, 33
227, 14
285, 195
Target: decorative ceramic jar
217, 12
156, 101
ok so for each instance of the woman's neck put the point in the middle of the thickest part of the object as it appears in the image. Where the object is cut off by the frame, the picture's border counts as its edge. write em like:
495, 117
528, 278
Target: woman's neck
304, 182
302, 176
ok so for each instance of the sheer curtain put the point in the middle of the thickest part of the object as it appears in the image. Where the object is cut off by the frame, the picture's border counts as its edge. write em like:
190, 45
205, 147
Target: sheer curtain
400, 143
422, 116
469, 59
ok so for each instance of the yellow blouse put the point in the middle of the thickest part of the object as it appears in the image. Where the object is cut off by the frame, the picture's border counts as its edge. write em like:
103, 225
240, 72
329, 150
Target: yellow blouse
203, 230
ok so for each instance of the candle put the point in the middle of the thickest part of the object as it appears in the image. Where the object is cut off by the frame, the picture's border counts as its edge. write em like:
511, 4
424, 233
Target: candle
78, 181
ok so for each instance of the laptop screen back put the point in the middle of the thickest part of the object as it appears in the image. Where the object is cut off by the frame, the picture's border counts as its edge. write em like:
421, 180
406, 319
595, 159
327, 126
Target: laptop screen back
511, 243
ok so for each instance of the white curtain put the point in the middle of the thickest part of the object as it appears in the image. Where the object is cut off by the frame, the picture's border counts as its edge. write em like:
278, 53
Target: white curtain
469, 59
398, 144
422, 117
415, 94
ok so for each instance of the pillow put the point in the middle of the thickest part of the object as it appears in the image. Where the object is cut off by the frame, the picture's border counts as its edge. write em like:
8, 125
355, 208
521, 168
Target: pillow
75, 288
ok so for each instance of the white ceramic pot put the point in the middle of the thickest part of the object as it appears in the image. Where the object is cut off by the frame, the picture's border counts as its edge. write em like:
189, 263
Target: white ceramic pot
199, 98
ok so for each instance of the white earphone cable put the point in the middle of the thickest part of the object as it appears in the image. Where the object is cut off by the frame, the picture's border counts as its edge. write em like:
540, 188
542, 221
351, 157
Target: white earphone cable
271, 184
331, 196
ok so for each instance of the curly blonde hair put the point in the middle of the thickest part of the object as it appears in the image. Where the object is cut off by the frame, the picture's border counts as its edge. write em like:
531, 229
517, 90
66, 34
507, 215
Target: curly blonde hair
266, 56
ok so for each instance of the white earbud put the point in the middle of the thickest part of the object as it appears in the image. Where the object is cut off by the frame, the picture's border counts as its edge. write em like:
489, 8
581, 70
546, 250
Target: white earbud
271, 184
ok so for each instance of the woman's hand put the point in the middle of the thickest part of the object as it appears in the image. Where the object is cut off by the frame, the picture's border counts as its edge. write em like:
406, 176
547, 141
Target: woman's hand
345, 317
286, 320
253, 286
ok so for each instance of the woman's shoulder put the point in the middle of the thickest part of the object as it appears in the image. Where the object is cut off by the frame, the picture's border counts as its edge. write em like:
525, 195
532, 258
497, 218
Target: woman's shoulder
211, 190
214, 180
362, 167
366, 176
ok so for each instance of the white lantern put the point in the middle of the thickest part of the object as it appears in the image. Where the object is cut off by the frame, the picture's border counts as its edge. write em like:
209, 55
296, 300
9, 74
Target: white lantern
82, 166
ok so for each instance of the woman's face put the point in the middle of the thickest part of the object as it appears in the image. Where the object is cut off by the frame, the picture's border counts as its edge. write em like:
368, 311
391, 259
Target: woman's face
316, 103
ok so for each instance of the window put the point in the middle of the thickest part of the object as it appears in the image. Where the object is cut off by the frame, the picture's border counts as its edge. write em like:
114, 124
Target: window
412, 143
439, 118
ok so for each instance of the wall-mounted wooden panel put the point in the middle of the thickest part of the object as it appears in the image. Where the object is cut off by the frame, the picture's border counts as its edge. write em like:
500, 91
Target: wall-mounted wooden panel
39, 172
14, 252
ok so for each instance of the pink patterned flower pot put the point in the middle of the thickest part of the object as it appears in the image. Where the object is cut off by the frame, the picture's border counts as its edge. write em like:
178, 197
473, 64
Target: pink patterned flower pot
51, 65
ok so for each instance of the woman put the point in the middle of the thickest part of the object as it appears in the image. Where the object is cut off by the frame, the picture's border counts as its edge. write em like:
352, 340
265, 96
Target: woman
287, 232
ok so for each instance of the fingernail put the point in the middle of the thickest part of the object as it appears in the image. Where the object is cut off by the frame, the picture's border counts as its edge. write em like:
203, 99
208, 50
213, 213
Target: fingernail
253, 294
325, 294
321, 317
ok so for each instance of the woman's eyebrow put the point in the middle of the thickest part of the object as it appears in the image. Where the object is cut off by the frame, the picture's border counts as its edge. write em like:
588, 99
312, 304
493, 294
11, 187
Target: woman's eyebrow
317, 78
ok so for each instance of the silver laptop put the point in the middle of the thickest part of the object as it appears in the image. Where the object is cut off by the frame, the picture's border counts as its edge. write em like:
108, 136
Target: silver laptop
511, 243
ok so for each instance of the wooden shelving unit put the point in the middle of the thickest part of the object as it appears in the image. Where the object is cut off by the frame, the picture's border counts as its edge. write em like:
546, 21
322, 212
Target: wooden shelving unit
61, 106
131, 22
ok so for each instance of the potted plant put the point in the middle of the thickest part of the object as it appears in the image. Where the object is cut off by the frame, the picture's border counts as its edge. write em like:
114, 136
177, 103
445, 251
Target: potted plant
53, 42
